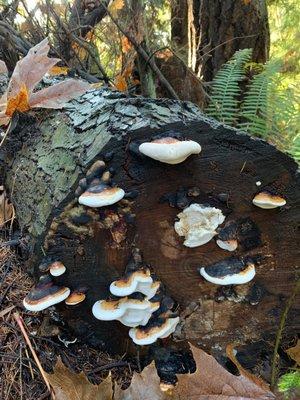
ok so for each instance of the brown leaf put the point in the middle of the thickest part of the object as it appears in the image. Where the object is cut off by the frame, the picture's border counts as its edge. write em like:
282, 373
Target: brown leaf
70, 386
120, 83
144, 386
115, 6
58, 95
3, 68
6, 208
212, 381
294, 352
58, 70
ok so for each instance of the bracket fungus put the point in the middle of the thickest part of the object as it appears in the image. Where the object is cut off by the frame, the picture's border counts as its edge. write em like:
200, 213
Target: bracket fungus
76, 297
135, 281
45, 294
130, 312
198, 224
160, 329
170, 150
57, 268
268, 200
231, 271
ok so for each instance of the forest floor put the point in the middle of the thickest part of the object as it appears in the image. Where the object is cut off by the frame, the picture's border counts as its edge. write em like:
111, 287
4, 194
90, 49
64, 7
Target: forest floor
21, 379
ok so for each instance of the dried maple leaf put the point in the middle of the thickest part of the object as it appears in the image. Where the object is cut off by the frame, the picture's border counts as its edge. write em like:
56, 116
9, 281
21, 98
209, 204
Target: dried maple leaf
70, 386
294, 352
212, 381
27, 74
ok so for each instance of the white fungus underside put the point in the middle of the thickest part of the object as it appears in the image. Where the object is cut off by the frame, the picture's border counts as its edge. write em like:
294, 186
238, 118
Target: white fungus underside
140, 285
198, 224
57, 272
235, 279
268, 205
129, 314
50, 302
170, 153
97, 200
167, 331
226, 245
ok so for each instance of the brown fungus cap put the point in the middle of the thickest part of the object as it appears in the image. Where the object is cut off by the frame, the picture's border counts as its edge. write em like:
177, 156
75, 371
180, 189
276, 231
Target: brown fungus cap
75, 298
268, 201
45, 294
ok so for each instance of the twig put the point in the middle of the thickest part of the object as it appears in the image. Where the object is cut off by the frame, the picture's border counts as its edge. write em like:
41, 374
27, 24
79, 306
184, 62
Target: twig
19, 321
139, 49
279, 333
116, 364
29, 361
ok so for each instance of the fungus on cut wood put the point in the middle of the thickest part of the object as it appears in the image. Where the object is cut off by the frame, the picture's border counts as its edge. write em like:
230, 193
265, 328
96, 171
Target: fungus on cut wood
231, 271
45, 294
57, 268
268, 200
198, 224
77, 296
158, 329
170, 150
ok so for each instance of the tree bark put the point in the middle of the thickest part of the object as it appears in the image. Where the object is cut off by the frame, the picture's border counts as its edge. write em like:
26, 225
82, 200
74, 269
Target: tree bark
221, 28
43, 174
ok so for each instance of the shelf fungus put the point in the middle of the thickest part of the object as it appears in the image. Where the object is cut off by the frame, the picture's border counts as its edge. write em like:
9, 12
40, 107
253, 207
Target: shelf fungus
170, 150
101, 195
268, 200
198, 224
56, 268
135, 281
129, 311
157, 329
76, 297
227, 237
45, 294
231, 271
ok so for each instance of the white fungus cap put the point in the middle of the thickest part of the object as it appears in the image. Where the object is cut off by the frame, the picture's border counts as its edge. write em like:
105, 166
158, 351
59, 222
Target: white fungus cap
148, 336
131, 312
46, 301
104, 197
229, 245
268, 201
240, 278
198, 224
57, 268
138, 281
170, 150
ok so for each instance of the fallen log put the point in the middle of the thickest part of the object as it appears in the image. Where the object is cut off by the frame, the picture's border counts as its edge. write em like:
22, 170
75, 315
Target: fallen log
54, 158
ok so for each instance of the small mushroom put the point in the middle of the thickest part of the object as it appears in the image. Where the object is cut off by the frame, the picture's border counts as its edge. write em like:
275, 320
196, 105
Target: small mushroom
231, 271
159, 329
170, 150
229, 245
101, 195
267, 200
75, 297
198, 224
135, 281
227, 237
45, 294
57, 268
130, 312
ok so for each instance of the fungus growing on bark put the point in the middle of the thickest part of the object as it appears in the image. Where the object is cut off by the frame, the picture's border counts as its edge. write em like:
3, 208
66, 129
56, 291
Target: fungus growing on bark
157, 329
170, 150
76, 297
135, 281
198, 224
57, 268
268, 201
45, 294
227, 237
231, 271
130, 312
101, 195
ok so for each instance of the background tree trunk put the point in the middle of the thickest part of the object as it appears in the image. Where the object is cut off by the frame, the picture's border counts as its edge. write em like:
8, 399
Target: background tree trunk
221, 28
43, 174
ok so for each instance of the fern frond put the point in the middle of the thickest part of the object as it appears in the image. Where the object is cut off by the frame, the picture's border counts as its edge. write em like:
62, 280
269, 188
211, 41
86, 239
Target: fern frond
255, 107
225, 88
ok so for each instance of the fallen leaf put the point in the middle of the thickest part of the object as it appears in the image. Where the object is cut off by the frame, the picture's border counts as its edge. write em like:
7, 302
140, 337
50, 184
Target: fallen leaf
6, 311
3, 68
58, 70
27, 74
144, 386
6, 208
70, 386
115, 6
58, 95
120, 83
212, 381
126, 44
294, 352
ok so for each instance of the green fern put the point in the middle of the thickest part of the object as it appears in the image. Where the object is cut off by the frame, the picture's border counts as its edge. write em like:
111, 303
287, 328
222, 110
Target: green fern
256, 111
290, 382
225, 89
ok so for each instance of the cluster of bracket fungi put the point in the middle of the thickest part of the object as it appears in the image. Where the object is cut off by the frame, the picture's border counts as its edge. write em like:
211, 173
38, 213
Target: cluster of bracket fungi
138, 299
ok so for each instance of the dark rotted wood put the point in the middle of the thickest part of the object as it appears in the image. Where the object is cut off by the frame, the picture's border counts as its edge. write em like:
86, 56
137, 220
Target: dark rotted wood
226, 173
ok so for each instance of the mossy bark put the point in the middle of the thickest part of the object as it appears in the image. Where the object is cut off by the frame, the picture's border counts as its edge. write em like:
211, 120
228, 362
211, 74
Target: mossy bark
43, 176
